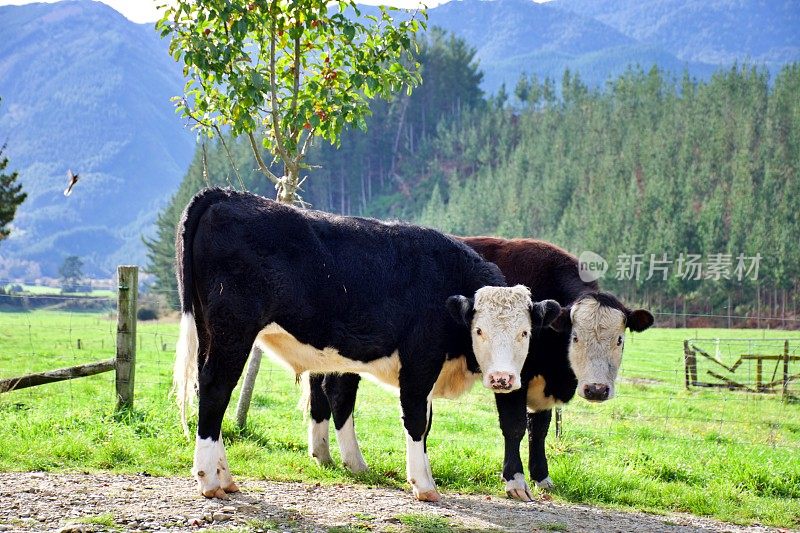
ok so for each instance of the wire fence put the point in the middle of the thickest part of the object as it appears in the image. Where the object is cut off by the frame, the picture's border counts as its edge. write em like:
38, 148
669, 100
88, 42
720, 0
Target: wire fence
651, 392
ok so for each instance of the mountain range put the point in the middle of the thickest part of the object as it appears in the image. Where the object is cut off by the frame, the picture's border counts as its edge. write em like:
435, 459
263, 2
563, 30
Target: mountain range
83, 88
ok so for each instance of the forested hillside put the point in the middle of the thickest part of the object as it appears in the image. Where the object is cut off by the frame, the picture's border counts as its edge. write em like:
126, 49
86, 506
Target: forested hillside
644, 167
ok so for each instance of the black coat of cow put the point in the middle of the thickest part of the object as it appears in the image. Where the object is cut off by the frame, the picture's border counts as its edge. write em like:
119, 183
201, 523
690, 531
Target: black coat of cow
361, 287
550, 273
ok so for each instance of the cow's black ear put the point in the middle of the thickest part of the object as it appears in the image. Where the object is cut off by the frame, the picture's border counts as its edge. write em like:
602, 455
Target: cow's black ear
563, 321
544, 313
639, 320
461, 309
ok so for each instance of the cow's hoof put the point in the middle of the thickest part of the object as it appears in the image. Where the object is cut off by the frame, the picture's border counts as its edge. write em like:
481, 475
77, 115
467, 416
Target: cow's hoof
356, 466
216, 493
545, 484
322, 459
427, 496
517, 489
231, 487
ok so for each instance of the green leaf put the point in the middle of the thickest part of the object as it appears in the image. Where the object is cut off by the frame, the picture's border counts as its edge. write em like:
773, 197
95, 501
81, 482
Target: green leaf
257, 80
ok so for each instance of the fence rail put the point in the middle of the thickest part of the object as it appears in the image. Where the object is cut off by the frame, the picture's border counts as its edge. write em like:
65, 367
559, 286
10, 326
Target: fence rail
61, 374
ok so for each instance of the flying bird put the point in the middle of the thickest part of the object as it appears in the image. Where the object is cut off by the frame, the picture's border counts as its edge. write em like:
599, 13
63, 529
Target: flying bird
72, 179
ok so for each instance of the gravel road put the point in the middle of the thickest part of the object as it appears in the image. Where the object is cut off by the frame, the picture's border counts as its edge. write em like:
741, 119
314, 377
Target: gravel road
106, 502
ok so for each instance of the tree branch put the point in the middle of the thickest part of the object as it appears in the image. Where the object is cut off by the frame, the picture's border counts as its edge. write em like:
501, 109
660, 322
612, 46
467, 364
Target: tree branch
222, 140
261, 165
296, 88
276, 121
230, 158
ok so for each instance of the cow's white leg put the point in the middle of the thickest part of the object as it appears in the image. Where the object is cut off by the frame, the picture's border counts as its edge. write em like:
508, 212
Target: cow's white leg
224, 471
517, 488
418, 466
418, 470
348, 447
206, 461
318, 443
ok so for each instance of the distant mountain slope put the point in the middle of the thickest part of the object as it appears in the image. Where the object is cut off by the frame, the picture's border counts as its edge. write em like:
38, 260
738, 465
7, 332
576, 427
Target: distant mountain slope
514, 36
718, 32
84, 88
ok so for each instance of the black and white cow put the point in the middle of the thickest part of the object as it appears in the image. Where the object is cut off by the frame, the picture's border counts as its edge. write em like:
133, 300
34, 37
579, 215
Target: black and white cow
328, 293
582, 350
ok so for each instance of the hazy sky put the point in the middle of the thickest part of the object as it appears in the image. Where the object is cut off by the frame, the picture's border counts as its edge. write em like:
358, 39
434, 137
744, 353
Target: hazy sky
145, 10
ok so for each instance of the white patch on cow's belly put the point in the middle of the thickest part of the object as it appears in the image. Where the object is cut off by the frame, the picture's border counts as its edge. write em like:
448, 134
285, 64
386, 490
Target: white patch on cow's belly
298, 357
537, 401
454, 380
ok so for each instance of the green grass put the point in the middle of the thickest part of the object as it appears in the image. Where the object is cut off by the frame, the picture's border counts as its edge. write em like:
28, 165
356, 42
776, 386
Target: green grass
425, 523
105, 519
657, 447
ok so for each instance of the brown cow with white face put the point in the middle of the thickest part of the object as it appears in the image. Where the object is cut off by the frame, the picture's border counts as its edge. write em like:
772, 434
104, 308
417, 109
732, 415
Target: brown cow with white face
597, 324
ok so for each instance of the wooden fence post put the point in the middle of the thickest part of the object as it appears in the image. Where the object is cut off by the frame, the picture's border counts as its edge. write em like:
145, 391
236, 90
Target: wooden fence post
786, 370
690, 365
126, 334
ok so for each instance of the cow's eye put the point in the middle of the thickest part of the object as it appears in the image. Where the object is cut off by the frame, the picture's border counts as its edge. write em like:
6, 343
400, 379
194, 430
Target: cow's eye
478, 332
574, 338
619, 341
524, 334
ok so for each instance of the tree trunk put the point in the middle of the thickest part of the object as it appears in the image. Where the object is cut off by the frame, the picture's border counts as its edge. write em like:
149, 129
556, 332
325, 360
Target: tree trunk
729, 310
783, 308
403, 107
369, 178
684, 312
774, 301
248, 385
758, 307
674, 312
363, 193
341, 190
288, 194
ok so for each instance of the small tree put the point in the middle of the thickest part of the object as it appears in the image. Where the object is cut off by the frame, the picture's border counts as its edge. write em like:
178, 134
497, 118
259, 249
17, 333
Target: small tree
71, 272
11, 195
286, 72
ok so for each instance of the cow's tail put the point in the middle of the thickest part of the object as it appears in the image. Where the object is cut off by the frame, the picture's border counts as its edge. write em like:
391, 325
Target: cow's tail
304, 403
185, 372
184, 375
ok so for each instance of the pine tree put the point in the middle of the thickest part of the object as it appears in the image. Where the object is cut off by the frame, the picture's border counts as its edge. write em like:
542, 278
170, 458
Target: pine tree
11, 195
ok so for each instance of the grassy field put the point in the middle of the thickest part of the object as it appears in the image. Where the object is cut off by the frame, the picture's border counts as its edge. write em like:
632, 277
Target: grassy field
657, 447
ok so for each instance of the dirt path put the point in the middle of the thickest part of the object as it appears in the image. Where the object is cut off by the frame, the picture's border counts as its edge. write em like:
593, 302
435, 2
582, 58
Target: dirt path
51, 502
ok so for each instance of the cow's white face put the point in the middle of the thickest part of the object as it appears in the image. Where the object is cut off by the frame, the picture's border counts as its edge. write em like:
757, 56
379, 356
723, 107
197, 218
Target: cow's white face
500, 321
596, 342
